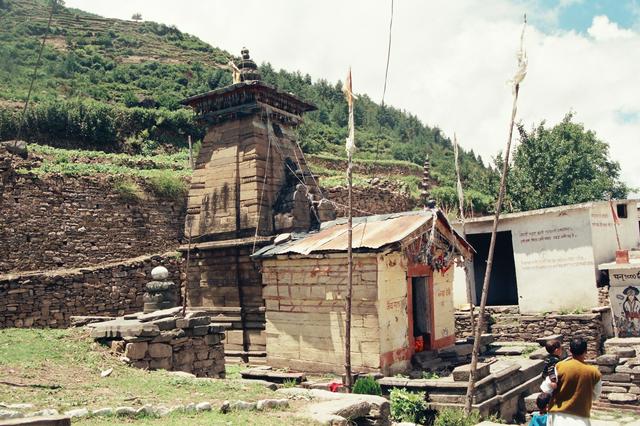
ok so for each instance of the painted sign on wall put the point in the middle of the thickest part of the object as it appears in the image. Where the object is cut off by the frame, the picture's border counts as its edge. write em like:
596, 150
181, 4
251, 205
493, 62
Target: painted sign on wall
625, 301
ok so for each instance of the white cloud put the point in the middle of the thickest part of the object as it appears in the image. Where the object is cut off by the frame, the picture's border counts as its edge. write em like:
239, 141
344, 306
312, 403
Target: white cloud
603, 29
450, 61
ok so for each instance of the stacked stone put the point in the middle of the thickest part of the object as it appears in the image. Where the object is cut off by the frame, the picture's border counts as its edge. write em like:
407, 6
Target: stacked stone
51, 298
51, 222
370, 199
164, 340
620, 370
506, 324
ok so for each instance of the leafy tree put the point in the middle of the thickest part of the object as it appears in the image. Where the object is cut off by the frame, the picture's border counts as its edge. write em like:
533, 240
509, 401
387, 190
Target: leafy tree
562, 165
137, 16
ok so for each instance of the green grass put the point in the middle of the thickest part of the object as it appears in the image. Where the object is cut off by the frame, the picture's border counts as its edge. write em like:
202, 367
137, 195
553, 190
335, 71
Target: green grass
71, 360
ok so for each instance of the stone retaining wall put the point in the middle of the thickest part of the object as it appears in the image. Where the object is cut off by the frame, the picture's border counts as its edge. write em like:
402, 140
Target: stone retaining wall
63, 221
49, 299
506, 325
370, 201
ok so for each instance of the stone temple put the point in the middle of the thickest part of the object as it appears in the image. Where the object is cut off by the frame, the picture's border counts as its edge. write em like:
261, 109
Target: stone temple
250, 183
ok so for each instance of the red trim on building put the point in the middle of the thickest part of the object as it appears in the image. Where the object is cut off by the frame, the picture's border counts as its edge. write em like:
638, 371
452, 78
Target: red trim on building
387, 359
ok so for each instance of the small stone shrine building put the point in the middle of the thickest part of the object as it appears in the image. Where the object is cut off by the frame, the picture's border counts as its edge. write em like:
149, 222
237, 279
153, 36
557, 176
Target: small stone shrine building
250, 183
402, 292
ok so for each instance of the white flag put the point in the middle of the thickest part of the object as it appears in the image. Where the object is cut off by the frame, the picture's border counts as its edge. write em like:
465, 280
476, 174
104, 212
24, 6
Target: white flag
348, 92
522, 60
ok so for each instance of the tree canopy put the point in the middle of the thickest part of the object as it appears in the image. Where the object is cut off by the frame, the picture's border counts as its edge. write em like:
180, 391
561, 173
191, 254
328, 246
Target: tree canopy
565, 164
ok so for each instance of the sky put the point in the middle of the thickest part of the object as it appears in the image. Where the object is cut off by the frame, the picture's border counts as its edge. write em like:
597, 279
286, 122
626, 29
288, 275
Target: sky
450, 59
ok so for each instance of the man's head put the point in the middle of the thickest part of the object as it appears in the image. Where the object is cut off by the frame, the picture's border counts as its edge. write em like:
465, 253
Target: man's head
553, 347
578, 347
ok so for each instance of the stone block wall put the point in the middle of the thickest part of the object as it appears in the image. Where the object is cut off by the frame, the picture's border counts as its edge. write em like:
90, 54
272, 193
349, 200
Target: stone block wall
192, 346
508, 325
62, 221
370, 201
49, 299
620, 369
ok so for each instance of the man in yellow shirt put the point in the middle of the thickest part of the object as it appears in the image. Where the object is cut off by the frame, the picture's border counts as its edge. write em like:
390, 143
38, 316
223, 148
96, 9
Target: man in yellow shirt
578, 385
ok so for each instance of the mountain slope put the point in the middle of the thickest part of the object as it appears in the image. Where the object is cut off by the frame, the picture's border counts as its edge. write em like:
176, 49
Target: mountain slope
116, 85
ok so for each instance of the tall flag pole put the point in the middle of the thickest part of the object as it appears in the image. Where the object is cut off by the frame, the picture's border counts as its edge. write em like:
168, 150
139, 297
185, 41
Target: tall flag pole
465, 265
350, 147
515, 82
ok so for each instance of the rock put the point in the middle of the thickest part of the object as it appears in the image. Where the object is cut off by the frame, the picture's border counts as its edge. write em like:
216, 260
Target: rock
46, 412
237, 405
160, 350
622, 397
328, 419
607, 359
182, 374
610, 389
125, 411
616, 377
190, 408
106, 373
10, 414
267, 404
136, 351
268, 385
19, 406
107, 411
162, 411
625, 352
77, 413
159, 273
203, 406
146, 410
606, 369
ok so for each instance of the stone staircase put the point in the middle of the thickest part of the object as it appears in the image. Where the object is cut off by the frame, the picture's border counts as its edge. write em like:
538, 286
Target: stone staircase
245, 338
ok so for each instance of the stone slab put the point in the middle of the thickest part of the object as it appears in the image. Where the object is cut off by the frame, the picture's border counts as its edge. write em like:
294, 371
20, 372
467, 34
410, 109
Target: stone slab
39, 421
124, 328
462, 373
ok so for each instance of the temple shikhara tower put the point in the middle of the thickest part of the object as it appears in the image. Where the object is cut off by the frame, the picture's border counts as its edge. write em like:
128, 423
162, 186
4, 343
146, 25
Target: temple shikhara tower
250, 183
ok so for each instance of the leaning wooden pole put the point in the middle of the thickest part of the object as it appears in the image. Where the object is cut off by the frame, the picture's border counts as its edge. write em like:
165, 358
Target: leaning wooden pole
522, 70
350, 146
465, 264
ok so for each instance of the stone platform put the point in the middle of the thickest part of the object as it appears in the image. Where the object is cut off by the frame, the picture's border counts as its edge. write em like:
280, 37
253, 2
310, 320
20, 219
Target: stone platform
166, 340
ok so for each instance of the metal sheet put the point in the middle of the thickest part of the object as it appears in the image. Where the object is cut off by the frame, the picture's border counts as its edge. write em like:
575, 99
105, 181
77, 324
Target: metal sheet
372, 235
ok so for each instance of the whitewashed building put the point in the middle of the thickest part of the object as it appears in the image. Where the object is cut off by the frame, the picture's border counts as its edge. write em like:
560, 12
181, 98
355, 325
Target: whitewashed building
547, 260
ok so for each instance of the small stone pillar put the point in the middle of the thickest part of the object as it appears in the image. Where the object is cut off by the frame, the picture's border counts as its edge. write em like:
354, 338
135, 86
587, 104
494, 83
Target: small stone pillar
160, 294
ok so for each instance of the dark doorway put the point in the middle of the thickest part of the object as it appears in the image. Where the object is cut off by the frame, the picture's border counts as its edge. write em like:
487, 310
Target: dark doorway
421, 311
503, 287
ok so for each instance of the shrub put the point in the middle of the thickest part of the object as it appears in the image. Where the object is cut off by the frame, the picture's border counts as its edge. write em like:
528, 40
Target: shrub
408, 406
456, 417
167, 185
127, 189
367, 385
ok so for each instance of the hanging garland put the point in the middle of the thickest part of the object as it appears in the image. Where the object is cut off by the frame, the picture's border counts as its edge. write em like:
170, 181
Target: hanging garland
433, 248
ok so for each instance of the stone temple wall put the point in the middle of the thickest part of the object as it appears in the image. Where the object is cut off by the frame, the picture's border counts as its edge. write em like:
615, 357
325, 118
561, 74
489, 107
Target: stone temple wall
62, 221
49, 299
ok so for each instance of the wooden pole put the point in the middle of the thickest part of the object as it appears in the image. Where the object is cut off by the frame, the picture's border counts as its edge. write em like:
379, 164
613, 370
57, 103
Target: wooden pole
350, 148
347, 334
464, 233
54, 4
190, 153
492, 246
186, 269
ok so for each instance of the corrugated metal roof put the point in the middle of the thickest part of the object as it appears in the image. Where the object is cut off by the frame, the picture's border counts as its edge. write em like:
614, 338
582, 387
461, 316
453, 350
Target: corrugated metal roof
548, 210
371, 232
